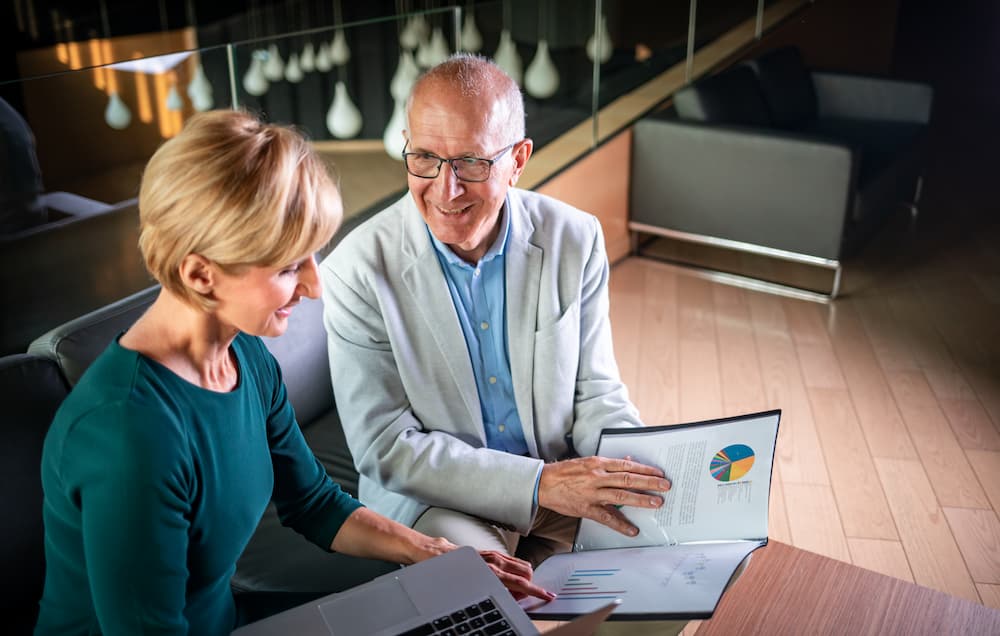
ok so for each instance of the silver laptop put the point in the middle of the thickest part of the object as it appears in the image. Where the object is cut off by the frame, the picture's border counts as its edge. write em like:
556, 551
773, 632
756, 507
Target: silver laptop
455, 593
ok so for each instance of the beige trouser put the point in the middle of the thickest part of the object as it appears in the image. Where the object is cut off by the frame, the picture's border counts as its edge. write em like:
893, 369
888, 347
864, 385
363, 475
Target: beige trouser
550, 533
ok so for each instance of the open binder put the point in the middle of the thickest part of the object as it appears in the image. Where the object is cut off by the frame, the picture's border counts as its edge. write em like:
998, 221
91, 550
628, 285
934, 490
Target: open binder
688, 550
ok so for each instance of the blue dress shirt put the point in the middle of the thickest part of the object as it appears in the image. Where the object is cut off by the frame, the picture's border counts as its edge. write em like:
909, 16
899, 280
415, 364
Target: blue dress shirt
479, 295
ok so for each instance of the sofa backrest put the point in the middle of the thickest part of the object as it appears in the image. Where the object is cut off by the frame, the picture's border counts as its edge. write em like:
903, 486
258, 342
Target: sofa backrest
76, 344
301, 351
731, 97
31, 389
787, 87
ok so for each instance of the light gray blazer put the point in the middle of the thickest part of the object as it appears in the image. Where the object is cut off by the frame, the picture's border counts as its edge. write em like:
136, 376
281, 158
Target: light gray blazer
402, 378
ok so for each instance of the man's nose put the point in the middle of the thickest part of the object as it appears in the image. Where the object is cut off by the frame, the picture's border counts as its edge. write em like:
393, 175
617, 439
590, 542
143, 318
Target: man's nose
449, 183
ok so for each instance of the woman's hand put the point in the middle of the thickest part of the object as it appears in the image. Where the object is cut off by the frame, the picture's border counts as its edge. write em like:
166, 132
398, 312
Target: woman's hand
515, 574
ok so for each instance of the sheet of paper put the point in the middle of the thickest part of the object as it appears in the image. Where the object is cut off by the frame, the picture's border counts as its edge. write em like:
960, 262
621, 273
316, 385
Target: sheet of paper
683, 581
720, 475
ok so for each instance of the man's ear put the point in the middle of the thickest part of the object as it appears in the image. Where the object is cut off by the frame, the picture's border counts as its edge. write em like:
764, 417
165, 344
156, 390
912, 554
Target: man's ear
521, 153
198, 273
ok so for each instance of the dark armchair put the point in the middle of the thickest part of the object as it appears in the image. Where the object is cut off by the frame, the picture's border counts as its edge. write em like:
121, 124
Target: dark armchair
773, 158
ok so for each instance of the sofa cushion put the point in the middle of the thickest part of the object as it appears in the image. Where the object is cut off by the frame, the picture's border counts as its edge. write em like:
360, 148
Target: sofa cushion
878, 143
731, 97
31, 390
787, 87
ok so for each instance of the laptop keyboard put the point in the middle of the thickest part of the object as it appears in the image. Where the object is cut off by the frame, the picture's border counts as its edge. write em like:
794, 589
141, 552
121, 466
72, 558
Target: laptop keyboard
479, 619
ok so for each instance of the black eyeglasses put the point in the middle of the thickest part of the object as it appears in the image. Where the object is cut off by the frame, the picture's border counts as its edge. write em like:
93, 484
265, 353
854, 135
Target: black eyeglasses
428, 166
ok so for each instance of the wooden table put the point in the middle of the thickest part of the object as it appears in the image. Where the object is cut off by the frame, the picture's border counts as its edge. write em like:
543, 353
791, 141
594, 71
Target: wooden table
786, 590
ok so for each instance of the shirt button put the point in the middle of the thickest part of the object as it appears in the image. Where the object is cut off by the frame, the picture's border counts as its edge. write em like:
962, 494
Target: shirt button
484, 325
501, 428
493, 379
476, 272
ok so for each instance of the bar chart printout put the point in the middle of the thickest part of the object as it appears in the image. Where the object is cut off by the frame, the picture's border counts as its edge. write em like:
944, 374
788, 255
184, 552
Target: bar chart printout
678, 581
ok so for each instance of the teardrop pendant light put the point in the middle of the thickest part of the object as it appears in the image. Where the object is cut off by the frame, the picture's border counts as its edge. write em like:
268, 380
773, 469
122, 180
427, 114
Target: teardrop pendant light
541, 79
508, 58
199, 89
255, 82
274, 66
116, 114
599, 45
438, 47
392, 139
472, 40
339, 51
343, 120
174, 100
404, 77
293, 72
323, 63
307, 61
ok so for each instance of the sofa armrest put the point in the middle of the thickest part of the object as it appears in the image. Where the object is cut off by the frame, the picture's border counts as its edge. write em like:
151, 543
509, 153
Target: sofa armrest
859, 97
759, 187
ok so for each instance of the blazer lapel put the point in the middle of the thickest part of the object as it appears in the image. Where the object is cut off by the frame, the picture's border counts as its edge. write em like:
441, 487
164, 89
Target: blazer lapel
524, 270
430, 296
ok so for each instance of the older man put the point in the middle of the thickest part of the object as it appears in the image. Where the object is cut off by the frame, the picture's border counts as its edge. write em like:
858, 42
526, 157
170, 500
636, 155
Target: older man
469, 341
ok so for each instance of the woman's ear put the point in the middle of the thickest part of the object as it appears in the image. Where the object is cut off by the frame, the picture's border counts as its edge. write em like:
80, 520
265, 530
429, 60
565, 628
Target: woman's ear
198, 273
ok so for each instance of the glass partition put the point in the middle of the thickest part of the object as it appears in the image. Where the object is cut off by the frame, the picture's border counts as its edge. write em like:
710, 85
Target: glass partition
96, 109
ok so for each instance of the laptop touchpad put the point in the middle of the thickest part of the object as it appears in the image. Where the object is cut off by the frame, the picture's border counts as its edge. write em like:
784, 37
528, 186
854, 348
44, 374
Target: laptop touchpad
352, 614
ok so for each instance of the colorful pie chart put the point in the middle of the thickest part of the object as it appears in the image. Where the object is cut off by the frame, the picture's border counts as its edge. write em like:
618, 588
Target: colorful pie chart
732, 462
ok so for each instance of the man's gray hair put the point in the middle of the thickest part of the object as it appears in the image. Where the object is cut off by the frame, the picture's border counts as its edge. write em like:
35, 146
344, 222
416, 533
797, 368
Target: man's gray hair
472, 76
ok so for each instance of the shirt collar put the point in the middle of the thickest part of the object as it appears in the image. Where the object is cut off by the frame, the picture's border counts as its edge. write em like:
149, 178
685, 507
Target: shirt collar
497, 249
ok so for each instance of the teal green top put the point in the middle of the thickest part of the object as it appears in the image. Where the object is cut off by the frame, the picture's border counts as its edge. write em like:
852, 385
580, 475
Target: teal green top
153, 487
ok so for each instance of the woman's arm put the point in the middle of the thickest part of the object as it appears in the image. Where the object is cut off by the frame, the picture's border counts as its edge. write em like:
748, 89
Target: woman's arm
370, 535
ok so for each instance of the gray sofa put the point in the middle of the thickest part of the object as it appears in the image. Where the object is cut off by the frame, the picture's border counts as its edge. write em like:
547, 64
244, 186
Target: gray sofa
278, 569
771, 157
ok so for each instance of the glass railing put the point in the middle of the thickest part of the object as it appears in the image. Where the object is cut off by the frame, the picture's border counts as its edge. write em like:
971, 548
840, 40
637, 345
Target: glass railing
588, 69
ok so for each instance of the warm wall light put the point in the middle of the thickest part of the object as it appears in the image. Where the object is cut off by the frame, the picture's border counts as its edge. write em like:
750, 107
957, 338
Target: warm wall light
144, 102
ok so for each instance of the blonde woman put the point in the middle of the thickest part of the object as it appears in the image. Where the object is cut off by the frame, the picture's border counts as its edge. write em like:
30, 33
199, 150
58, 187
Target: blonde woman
160, 463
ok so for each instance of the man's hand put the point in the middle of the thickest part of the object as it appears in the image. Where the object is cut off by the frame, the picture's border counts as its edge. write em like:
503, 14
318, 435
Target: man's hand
596, 487
515, 575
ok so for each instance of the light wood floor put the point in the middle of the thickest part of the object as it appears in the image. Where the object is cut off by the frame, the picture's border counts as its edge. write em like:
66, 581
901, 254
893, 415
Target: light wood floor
889, 447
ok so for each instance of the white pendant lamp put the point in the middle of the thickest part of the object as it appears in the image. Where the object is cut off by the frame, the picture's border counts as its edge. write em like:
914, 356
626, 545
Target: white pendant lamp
599, 45
508, 58
424, 55
343, 120
392, 138
307, 61
323, 63
116, 114
472, 40
255, 82
293, 72
174, 101
404, 77
541, 79
274, 66
438, 48
199, 90
409, 36
339, 52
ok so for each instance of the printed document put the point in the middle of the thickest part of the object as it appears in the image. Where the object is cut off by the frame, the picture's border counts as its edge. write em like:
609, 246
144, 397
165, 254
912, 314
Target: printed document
713, 517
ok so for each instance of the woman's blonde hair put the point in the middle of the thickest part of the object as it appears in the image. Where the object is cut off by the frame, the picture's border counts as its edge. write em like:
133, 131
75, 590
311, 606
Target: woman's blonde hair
237, 191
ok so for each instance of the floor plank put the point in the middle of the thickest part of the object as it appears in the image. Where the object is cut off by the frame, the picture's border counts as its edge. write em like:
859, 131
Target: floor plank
931, 548
978, 536
886, 557
864, 510
814, 520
